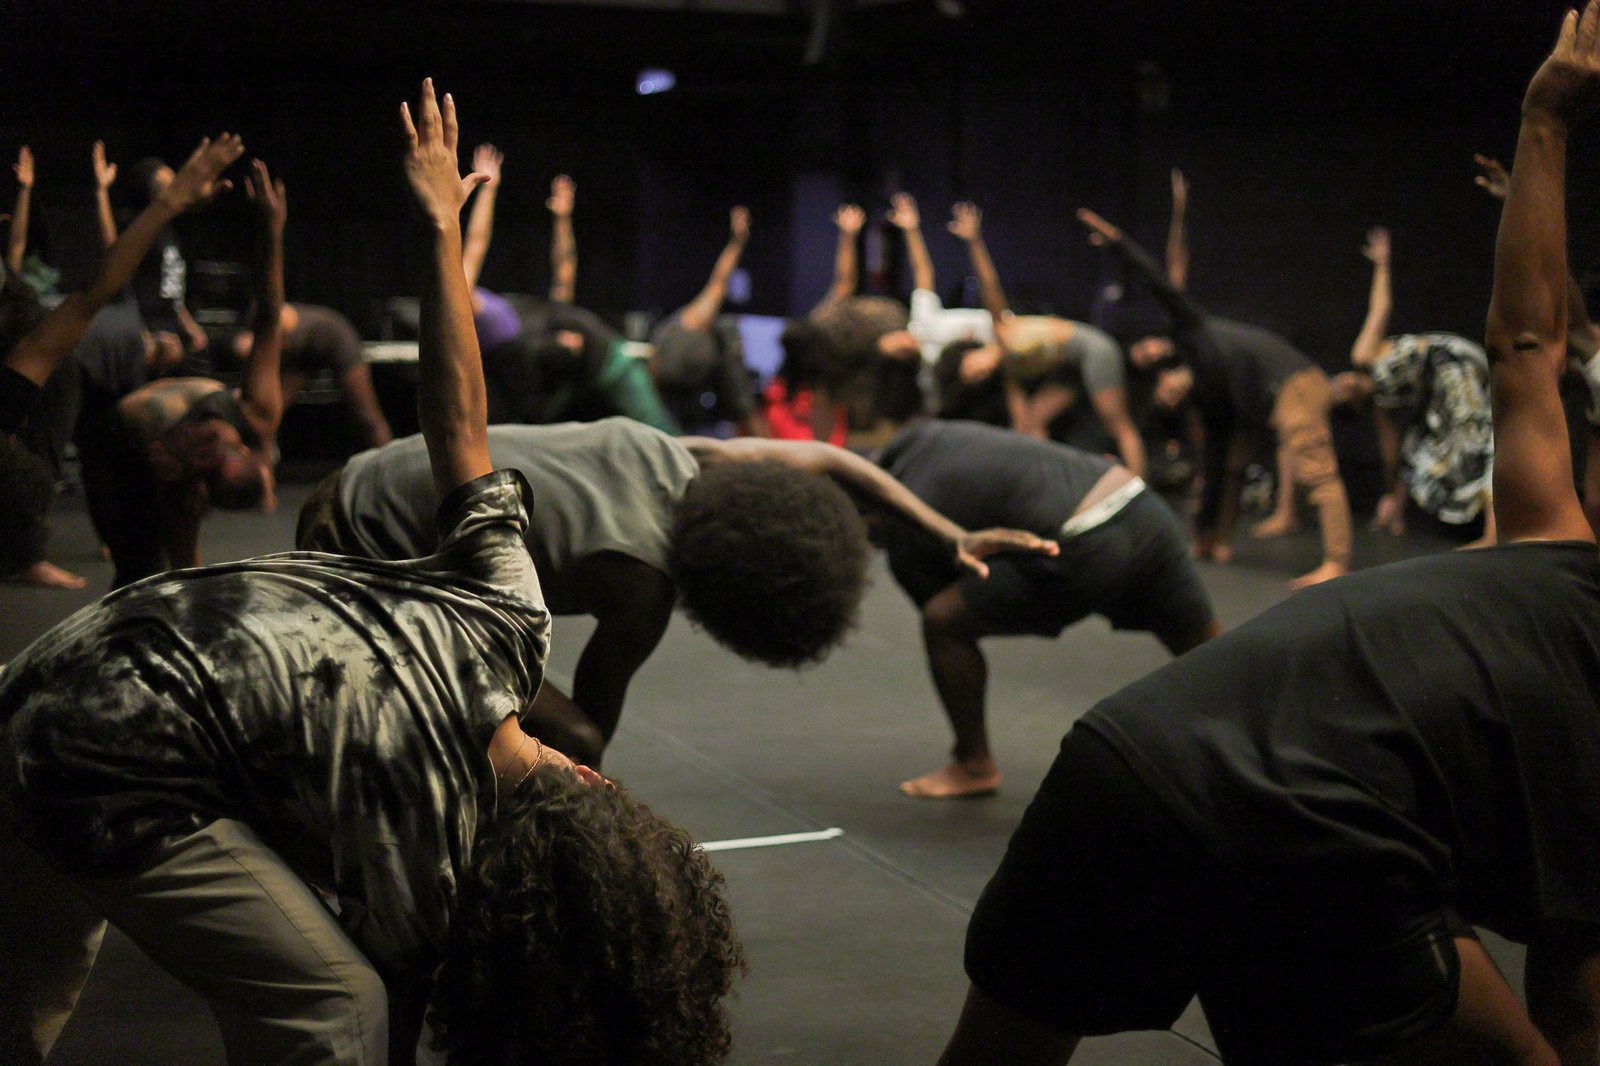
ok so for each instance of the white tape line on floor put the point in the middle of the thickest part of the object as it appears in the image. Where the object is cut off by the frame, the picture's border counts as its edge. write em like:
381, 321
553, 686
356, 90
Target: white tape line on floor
769, 842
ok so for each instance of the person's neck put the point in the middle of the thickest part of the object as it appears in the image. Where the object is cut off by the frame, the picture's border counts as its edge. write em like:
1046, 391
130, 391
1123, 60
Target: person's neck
512, 754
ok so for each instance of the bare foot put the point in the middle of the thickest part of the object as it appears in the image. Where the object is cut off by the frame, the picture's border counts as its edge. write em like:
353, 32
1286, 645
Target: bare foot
1325, 572
977, 778
1276, 526
50, 576
1217, 553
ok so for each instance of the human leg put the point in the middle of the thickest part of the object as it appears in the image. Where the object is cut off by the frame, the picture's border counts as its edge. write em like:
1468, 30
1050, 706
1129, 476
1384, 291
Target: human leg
49, 937
221, 912
1282, 521
988, 1032
563, 725
1300, 417
950, 633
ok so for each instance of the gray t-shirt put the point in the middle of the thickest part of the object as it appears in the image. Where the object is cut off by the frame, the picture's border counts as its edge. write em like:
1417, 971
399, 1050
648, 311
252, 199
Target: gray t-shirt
607, 486
340, 707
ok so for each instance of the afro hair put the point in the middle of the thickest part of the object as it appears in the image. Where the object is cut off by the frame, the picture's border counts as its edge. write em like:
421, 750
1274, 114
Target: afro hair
770, 560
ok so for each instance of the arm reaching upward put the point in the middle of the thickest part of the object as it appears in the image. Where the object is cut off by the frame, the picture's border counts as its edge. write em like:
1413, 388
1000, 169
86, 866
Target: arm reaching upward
480, 224
966, 222
1527, 328
104, 174
563, 243
261, 397
903, 215
1177, 236
1380, 301
702, 310
17, 246
48, 345
450, 393
1185, 313
849, 218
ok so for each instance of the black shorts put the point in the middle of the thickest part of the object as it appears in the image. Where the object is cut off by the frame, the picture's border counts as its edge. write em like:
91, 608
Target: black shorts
1134, 569
1106, 917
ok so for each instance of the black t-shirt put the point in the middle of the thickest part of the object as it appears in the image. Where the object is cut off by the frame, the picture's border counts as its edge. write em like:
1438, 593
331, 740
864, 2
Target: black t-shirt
979, 476
161, 282
1433, 724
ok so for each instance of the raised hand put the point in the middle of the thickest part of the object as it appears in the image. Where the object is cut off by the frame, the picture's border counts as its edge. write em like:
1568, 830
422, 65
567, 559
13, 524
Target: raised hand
966, 221
1567, 86
24, 167
1100, 231
850, 218
903, 211
430, 162
486, 160
267, 195
975, 547
739, 224
1494, 180
1180, 190
104, 173
199, 180
563, 193
1377, 246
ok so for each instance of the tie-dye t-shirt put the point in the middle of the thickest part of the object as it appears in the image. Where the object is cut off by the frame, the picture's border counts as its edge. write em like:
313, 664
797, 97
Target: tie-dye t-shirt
340, 707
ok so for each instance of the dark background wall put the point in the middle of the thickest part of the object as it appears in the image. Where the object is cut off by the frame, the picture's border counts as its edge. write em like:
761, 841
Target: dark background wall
1300, 124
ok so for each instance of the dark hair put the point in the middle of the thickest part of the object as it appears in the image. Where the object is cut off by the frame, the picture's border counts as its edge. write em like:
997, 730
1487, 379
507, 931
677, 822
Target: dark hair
770, 560
587, 930
26, 485
136, 181
243, 493
806, 355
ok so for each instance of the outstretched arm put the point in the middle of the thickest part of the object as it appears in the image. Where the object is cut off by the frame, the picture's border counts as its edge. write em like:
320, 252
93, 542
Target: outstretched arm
703, 309
104, 174
17, 246
903, 215
48, 345
1186, 314
450, 394
872, 484
480, 223
1527, 327
261, 397
966, 222
846, 271
1380, 301
563, 243
1177, 237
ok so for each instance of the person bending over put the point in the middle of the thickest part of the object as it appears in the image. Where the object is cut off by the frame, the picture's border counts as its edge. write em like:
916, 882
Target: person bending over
1044, 365
1302, 821
204, 756
1246, 382
934, 325
317, 339
1121, 554
1431, 394
769, 558
176, 447
699, 356
36, 345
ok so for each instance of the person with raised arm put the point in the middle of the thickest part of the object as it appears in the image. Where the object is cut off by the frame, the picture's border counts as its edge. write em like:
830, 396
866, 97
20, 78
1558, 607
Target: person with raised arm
563, 243
166, 453
202, 758
934, 325
1047, 364
699, 355
1430, 392
17, 239
36, 344
1303, 820
1248, 383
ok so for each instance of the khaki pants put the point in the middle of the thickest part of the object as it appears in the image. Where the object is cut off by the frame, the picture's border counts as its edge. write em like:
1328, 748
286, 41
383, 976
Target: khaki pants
222, 913
1305, 453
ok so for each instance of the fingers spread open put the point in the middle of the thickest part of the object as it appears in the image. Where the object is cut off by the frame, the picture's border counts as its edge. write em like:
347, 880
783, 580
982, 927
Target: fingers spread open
409, 126
452, 131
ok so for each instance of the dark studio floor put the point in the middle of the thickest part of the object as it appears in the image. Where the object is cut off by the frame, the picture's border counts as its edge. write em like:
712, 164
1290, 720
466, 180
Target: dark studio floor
855, 942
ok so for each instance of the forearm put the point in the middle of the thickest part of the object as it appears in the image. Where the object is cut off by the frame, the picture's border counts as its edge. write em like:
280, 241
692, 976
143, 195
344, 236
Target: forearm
871, 483
989, 290
563, 261
1527, 310
263, 389
103, 216
451, 406
1380, 303
1177, 250
702, 310
921, 261
1130, 446
480, 228
1183, 310
17, 245
845, 271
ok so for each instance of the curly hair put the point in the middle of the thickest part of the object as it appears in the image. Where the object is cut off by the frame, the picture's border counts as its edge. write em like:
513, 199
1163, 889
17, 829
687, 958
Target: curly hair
588, 930
770, 560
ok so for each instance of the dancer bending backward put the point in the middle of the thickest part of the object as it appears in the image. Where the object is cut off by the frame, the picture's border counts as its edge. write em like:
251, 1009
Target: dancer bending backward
767, 556
1246, 381
1435, 429
199, 756
1302, 820
1122, 554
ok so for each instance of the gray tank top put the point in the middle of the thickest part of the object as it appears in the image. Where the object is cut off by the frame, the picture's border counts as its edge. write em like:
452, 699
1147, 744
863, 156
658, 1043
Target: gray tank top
607, 486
